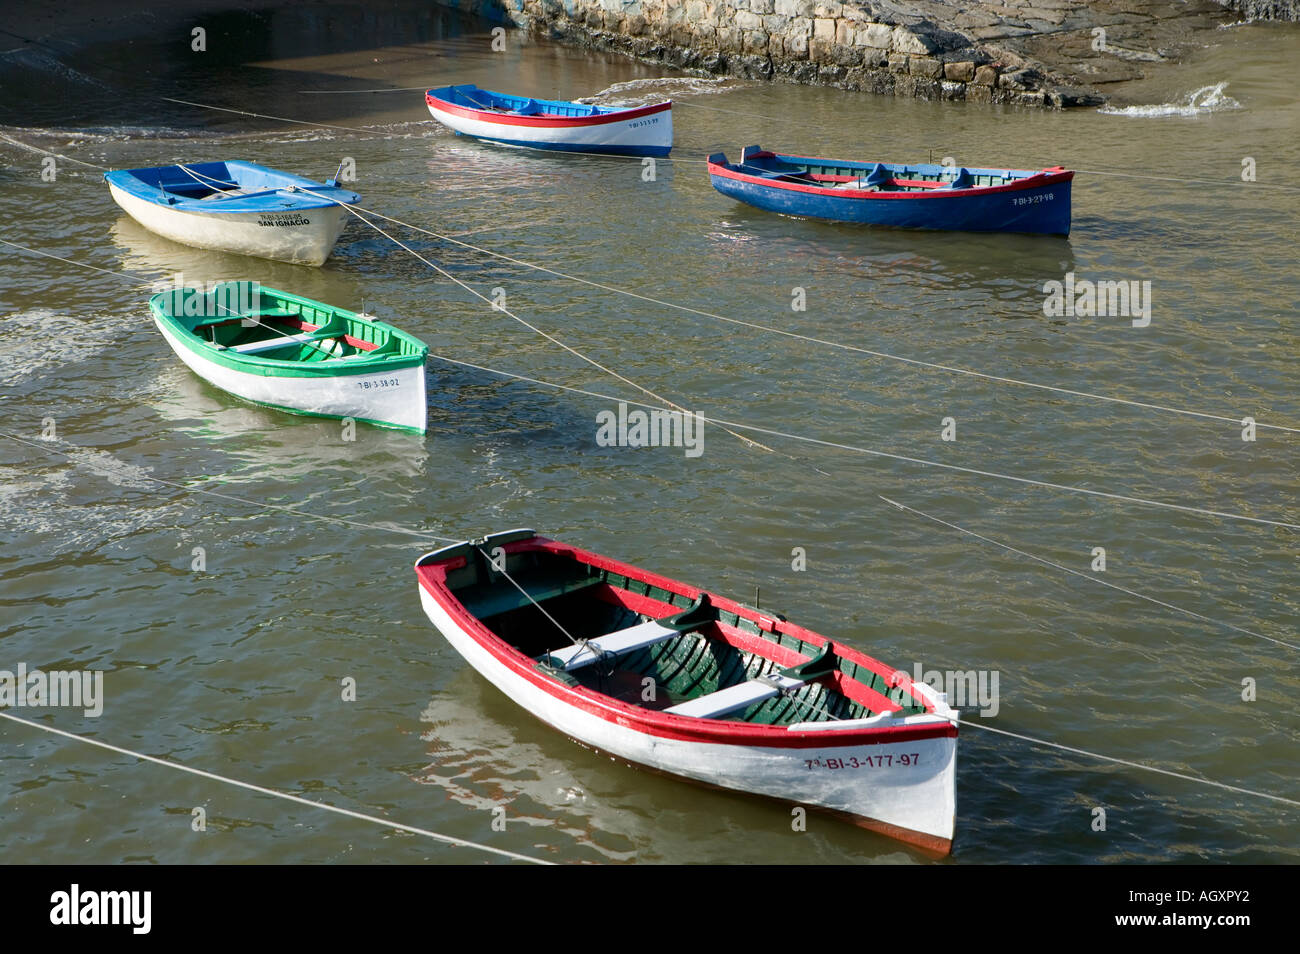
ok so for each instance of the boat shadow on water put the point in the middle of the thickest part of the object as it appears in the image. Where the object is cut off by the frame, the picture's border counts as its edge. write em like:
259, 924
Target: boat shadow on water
266, 443
484, 752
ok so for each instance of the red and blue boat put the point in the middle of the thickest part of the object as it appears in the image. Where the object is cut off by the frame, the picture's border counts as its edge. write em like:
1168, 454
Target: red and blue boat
917, 196
553, 124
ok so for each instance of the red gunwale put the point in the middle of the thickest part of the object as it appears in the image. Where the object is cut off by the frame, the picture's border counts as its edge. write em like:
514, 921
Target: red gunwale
546, 120
1046, 177
432, 577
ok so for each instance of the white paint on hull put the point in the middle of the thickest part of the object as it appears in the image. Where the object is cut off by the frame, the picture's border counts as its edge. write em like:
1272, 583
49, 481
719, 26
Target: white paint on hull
919, 798
654, 131
403, 403
240, 232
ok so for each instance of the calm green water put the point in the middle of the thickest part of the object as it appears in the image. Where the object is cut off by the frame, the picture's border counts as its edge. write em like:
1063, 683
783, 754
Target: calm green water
237, 669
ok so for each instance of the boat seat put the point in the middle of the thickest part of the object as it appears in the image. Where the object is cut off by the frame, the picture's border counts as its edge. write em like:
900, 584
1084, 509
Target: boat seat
745, 694
252, 347
740, 696
529, 108
878, 176
336, 327
964, 180
617, 643
634, 637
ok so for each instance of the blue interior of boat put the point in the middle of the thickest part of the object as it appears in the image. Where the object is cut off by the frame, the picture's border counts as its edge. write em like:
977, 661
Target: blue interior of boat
755, 162
228, 186
471, 97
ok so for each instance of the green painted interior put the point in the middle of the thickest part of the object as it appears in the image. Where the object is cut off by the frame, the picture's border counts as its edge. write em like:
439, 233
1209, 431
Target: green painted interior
199, 316
683, 667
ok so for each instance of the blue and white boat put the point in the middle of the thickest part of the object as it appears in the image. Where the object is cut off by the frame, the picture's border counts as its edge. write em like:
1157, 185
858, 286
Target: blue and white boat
553, 124
236, 206
918, 196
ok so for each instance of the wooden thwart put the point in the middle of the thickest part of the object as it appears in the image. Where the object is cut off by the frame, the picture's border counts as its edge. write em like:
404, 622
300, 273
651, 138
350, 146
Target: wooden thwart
732, 698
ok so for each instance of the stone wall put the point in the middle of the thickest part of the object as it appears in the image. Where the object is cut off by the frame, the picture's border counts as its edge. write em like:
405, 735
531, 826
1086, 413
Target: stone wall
1266, 9
1022, 52
848, 45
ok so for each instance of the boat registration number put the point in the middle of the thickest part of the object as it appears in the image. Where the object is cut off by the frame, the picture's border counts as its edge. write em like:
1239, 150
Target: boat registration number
1033, 199
381, 383
867, 761
636, 123
282, 221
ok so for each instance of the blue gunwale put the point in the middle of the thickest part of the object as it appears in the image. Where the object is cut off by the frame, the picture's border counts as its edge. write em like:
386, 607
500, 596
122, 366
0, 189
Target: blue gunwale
469, 96
981, 199
261, 189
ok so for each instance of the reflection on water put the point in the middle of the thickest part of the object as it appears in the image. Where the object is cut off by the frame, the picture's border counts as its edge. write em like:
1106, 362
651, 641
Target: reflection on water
244, 658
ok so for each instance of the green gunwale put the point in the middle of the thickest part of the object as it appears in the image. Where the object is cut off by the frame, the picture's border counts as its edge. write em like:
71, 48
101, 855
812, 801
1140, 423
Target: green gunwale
202, 319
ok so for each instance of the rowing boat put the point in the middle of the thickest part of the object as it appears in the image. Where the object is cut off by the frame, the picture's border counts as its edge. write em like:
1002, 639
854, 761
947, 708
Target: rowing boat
288, 352
236, 206
667, 676
921, 196
553, 124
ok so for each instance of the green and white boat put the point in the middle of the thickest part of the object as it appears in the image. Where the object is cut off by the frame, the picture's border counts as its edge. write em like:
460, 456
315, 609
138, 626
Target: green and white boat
289, 352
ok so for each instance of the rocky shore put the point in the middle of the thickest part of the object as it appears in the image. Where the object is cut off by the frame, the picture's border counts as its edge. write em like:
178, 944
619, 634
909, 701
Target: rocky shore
1053, 53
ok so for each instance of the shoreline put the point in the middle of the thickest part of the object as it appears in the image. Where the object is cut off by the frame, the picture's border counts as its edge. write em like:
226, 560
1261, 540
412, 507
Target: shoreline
1060, 55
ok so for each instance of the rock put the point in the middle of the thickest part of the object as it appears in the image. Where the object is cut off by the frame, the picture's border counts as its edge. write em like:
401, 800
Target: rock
794, 8
879, 35
925, 66
898, 62
1022, 79
905, 41
952, 91
824, 30
986, 76
875, 59
962, 72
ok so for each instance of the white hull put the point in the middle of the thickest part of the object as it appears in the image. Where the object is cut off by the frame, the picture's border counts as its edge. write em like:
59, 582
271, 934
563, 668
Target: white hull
653, 132
389, 397
916, 798
301, 237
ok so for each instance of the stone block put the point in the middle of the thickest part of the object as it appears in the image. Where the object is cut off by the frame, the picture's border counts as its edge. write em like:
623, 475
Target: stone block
959, 72
926, 66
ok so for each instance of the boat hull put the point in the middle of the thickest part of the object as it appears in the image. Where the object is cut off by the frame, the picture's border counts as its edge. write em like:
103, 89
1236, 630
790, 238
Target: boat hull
300, 237
647, 131
866, 782
1042, 208
389, 398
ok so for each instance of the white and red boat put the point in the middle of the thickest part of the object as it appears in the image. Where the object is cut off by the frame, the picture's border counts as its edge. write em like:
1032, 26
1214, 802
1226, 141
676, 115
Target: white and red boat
668, 676
553, 124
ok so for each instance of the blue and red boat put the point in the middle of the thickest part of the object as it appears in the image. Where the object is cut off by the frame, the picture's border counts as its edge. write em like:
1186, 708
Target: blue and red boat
917, 196
553, 124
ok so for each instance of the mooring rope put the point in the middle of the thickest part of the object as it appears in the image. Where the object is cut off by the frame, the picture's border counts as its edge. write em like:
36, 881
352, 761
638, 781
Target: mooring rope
731, 426
275, 793
769, 329
549, 337
1093, 578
